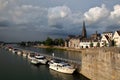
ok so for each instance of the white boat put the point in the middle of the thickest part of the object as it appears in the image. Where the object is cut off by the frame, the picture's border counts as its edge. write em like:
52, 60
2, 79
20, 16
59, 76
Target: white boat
34, 61
14, 51
62, 67
31, 56
19, 52
24, 54
9, 48
41, 59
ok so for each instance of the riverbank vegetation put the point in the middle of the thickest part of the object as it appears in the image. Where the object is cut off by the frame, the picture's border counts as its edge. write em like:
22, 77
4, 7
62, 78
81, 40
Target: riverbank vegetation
48, 42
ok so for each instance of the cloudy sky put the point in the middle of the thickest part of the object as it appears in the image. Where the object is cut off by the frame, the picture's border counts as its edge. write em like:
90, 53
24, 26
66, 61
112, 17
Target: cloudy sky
29, 20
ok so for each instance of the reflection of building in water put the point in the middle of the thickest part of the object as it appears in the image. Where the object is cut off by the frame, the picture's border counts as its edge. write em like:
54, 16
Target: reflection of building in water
61, 76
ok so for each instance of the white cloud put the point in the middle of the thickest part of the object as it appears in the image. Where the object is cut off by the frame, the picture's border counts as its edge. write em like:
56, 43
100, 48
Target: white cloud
57, 15
115, 15
58, 12
3, 4
96, 13
27, 13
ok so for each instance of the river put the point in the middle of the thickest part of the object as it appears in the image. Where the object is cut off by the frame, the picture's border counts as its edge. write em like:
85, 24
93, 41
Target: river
14, 67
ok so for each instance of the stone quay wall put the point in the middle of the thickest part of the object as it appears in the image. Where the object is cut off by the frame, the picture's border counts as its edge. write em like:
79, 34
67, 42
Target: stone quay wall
101, 63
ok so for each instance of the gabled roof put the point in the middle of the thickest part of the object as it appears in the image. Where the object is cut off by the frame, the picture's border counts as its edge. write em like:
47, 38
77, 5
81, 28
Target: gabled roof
89, 40
107, 38
118, 32
107, 32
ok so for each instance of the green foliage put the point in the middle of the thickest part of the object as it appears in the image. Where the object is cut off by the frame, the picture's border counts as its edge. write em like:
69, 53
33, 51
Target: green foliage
49, 42
98, 44
59, 42
105, 44
23, 44
91, 44
113, 43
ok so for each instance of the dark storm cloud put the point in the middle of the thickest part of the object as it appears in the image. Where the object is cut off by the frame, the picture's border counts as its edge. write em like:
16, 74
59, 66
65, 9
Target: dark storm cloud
58, 26
113, 27
5, 23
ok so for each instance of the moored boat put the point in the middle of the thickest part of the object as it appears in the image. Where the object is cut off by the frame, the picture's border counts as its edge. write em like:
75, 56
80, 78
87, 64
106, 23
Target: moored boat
14, 50
61, 66
31, 56
19, 52
24, 54
34, 61
10, 48
41, 59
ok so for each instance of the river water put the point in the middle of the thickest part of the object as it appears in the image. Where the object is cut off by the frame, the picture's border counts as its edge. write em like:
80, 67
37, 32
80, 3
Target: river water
14, 67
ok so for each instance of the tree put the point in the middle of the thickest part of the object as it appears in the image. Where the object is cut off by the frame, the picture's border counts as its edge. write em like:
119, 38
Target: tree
105, 44
113, 43
23, 43
91, 44
49, 41
98, 44
61, 42
58, 42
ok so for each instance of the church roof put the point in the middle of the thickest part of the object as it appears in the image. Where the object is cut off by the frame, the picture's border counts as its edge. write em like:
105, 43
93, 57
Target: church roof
84, 33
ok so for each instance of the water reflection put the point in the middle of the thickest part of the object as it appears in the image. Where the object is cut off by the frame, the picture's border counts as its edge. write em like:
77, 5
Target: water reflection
61, 76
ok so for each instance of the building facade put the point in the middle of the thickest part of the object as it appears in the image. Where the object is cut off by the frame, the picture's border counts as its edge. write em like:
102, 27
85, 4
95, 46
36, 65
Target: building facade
95, 40
116, 38
105, 41
74, 43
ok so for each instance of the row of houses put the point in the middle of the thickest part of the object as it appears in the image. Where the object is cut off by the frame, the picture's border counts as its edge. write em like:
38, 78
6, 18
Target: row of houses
95, 40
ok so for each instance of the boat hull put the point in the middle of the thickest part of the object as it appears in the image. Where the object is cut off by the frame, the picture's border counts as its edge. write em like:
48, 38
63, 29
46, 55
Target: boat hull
60, 69
34, 62
42, 61
19, 53
24, 55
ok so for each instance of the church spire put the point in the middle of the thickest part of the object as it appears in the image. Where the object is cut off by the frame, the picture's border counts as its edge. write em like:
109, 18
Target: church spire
84, 34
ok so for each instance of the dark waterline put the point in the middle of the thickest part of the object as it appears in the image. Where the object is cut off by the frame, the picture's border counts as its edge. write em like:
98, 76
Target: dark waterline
14, 67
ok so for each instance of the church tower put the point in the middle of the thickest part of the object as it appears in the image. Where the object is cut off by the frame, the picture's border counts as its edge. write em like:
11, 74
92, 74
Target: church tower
84, 33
